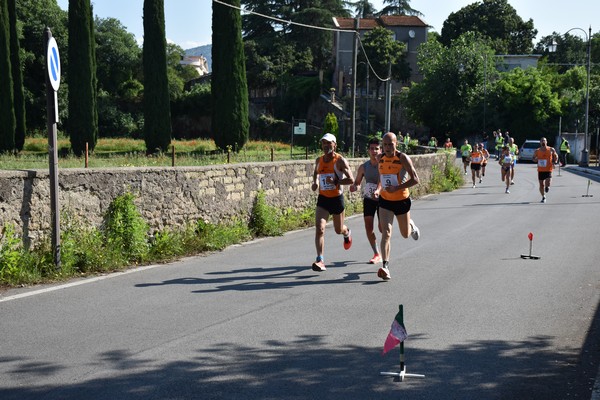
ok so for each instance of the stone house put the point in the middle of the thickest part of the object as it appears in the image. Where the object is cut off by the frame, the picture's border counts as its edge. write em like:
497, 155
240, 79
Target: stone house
410, 30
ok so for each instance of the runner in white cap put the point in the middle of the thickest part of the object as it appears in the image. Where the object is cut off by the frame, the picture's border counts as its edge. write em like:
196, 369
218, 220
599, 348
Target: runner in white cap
331, 171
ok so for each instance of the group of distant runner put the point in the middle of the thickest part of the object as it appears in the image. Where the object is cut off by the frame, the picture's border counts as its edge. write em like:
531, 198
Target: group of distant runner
477, 157
385, 179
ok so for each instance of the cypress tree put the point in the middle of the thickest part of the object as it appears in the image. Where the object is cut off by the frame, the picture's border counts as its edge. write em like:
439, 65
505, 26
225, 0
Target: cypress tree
157, 109
82, 125
7, 112
17, 75
230, 123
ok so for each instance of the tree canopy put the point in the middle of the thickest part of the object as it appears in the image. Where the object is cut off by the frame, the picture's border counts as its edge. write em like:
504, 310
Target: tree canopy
494, 19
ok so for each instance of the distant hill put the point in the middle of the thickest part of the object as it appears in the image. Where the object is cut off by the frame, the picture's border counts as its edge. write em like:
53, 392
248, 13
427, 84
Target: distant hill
205, 51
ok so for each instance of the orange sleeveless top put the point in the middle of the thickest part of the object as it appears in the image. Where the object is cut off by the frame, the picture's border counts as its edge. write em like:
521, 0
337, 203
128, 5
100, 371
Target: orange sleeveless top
392, 173
326, 170
544, 160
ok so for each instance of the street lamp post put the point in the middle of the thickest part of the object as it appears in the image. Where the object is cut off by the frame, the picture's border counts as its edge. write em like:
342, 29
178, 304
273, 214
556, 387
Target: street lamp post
588, 36
484, 91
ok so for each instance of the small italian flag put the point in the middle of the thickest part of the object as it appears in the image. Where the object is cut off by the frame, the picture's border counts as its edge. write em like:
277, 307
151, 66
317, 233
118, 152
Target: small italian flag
397, 333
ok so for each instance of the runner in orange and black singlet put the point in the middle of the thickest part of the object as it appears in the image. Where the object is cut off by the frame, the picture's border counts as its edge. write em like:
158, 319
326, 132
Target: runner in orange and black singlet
396, 175
545, 157
331, 171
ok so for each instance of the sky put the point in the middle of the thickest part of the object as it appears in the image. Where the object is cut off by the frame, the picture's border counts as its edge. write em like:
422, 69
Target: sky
188, 23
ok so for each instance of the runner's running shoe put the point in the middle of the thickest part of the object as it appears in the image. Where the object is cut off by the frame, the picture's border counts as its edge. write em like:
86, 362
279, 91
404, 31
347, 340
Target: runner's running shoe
318, 266
416, 232
384, 273
376, 259
348, 240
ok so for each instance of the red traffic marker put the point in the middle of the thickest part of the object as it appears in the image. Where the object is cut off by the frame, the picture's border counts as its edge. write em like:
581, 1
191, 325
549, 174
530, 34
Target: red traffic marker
530, 236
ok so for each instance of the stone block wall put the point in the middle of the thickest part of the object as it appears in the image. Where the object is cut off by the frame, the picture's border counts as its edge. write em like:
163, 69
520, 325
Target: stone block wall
168, 196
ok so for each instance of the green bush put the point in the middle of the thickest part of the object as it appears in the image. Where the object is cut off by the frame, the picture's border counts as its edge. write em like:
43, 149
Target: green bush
11, 253
448, 179
83, 250
217, 237
167, 245
264, 220
125, 230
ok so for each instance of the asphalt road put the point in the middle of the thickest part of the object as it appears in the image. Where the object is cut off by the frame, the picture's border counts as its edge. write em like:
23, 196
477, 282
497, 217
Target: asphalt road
255, 322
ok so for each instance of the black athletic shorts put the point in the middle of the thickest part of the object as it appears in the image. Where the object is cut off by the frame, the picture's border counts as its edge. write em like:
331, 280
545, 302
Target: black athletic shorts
543, 175
475, 167
399, 207
369, 207
333, 205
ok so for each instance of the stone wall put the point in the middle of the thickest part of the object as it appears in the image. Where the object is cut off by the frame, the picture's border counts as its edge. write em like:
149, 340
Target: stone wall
168, 197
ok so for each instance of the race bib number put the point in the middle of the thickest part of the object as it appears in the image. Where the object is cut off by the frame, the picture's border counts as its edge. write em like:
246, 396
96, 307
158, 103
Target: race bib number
369, 189
542, 163
507, 160
476, 160
324, 179
389, 180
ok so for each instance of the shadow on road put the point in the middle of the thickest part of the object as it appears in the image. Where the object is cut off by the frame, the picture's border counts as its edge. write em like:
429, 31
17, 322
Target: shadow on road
265, 279
303, 368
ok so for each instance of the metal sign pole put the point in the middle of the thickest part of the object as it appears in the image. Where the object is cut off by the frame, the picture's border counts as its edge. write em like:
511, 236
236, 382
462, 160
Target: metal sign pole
52, 83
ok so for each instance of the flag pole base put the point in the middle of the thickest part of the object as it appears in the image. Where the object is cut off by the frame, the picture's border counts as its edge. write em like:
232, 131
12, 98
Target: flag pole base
530, 257
401, 375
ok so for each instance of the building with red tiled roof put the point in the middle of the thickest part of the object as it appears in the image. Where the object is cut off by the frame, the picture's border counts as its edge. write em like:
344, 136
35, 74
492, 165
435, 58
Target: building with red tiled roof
409, 29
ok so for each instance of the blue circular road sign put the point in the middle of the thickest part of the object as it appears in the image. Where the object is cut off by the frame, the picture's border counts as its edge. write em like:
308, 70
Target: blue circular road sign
53, 64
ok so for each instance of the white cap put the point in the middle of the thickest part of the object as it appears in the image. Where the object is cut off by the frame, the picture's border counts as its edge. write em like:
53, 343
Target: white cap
329, 137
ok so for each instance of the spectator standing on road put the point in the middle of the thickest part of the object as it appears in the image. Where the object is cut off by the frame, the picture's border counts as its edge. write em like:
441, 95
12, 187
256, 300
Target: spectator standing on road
545, 157
396, 175
370, 172
506, 163
565, 150
476, 158
465, 152
514, 151
331, 171
499, 141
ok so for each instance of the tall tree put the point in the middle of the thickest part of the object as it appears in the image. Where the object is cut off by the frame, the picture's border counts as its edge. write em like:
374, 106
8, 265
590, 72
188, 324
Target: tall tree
17, 75
82, 125
7, 112
398, 7
229, 88
525, 103
157, 109
35, 16
497, 20
383, 52
450, 98
119, 57
363, 8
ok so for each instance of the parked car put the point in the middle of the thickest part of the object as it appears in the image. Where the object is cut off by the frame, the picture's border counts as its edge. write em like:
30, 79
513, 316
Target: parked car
527, 149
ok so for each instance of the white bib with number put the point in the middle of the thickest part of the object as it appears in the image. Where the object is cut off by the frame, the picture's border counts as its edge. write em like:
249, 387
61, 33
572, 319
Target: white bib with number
368, 189
389, 180
323, 181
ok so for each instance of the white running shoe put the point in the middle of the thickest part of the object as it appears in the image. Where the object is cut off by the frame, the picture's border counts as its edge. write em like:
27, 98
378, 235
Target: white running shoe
416, 232
384, 273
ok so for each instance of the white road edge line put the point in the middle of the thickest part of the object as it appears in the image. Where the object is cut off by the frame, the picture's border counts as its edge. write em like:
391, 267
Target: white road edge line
77, 283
